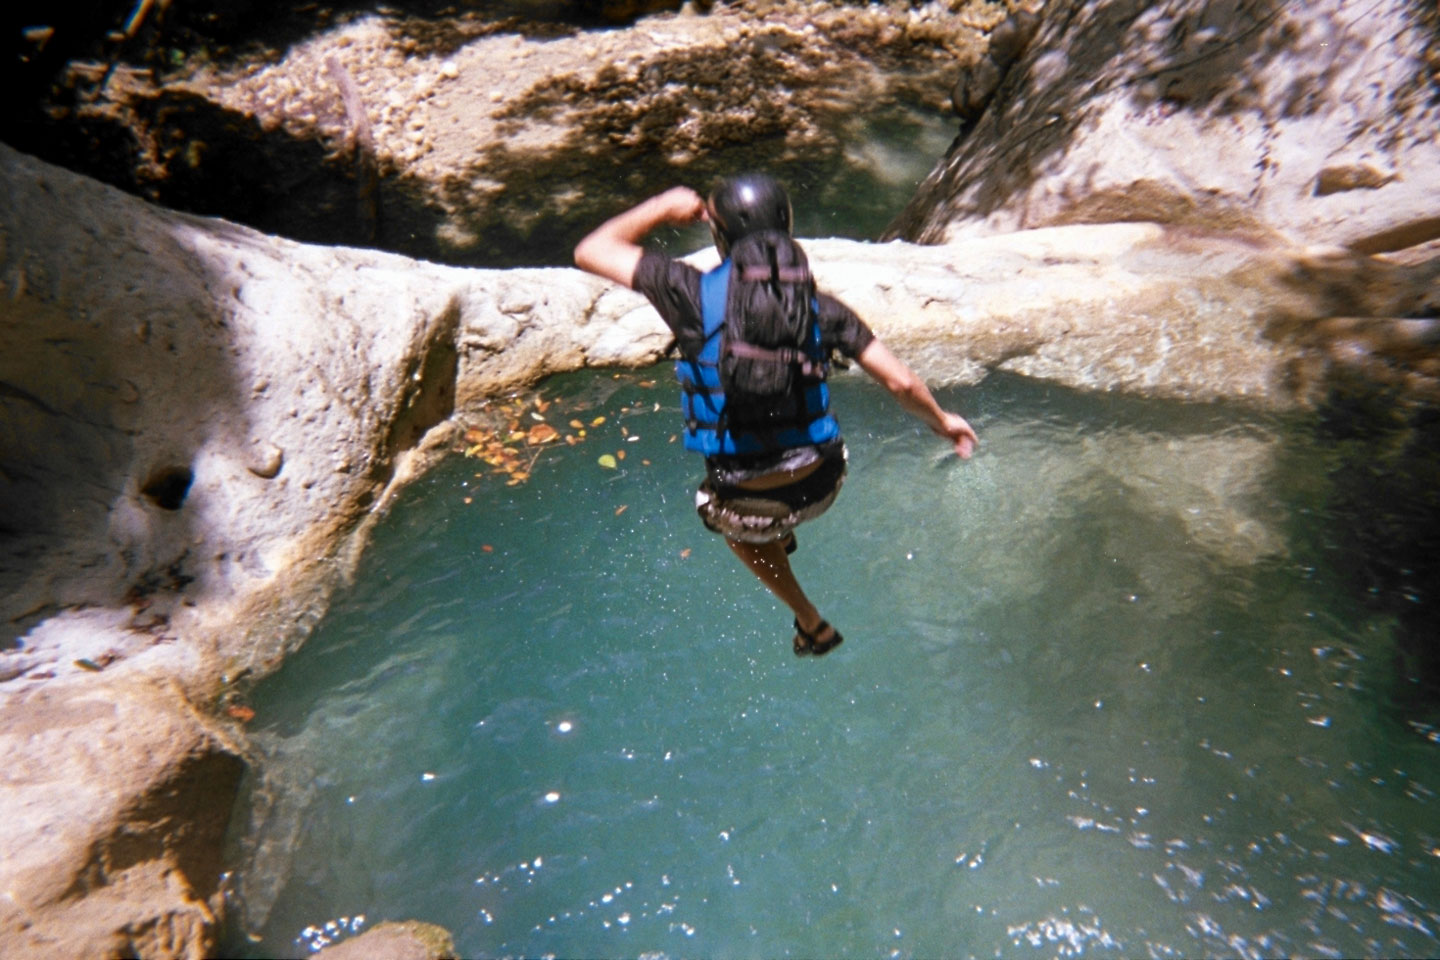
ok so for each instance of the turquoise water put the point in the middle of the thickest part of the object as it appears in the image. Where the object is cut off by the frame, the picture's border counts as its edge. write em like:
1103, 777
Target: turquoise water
1106, 690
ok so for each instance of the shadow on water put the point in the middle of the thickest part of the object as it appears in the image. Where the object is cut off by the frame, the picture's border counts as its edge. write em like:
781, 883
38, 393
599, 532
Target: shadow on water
1385, 503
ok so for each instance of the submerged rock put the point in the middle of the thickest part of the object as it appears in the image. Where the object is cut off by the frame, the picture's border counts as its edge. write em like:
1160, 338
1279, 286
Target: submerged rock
410, 940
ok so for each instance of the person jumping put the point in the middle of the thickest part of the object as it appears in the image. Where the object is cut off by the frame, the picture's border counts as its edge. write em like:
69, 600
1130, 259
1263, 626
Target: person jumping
755, 342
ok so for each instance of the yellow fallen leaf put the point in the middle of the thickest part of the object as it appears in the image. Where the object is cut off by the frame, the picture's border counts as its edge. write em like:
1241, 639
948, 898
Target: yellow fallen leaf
607, 461
577, 425
597, 421
542, 405
645, 462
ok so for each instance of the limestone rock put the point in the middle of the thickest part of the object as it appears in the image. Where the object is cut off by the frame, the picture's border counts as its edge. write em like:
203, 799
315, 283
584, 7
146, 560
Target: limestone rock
1312, 121
410, 940
117, 794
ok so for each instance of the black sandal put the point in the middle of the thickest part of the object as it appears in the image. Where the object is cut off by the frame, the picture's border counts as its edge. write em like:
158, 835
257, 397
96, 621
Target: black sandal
806, 643
790, 543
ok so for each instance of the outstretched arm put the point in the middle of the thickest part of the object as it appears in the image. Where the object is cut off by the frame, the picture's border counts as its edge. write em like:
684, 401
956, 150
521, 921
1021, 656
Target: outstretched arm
612, 250
892, 374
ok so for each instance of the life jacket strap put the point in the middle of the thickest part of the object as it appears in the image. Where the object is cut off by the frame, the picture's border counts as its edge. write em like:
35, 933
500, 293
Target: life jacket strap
755, 273
809, 367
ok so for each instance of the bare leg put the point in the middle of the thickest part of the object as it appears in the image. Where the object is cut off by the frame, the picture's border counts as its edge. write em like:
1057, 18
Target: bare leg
769, 562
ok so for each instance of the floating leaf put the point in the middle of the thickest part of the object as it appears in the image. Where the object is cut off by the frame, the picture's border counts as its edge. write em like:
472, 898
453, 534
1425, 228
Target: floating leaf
647, 383
645, 462
541, 433
597, 421
577, 425
624, 431
486, 548
536, 416
632, 438
623, 508
542, 405
477, 435
240, 712
469, 500
607, 461
685, 553
570, 439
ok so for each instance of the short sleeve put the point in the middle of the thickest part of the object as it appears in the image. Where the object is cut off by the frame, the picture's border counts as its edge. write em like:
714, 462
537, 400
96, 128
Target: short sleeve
673, 288
841, 329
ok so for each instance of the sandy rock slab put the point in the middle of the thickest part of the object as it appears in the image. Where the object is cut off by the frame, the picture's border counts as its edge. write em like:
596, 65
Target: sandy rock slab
408, 940
116, 795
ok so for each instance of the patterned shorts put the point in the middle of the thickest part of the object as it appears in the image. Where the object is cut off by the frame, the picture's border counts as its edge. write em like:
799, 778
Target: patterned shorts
763, 516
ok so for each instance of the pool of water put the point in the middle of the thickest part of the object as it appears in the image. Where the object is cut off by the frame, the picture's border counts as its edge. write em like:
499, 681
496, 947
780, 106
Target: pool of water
1106, 690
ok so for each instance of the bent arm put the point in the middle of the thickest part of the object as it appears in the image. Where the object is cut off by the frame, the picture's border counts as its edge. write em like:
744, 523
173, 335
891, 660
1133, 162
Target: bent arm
907, 388
612, 250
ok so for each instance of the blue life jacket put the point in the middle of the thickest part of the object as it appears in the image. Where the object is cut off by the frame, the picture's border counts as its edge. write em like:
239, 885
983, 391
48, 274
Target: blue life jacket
702, 398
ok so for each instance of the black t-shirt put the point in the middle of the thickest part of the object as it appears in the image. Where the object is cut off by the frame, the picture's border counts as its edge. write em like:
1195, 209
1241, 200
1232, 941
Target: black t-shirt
673, 287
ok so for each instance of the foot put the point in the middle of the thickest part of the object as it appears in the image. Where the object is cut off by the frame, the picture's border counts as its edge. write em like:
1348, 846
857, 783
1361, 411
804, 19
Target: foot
818, 642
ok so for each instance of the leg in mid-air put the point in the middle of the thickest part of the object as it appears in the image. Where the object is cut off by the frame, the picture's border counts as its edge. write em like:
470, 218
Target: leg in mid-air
770, 562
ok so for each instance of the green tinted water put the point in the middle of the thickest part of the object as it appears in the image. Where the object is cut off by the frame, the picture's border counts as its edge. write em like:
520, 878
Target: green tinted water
1105, 691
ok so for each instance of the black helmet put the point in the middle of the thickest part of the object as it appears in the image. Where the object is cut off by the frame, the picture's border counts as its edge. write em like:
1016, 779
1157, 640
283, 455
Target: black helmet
747, 203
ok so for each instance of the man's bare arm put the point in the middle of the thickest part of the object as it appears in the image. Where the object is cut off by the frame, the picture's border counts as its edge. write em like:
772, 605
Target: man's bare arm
892, 374
612, 250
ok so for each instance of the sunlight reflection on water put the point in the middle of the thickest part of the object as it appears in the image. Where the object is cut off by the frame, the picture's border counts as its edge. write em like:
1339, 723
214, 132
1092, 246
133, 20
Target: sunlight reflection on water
1104, 690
